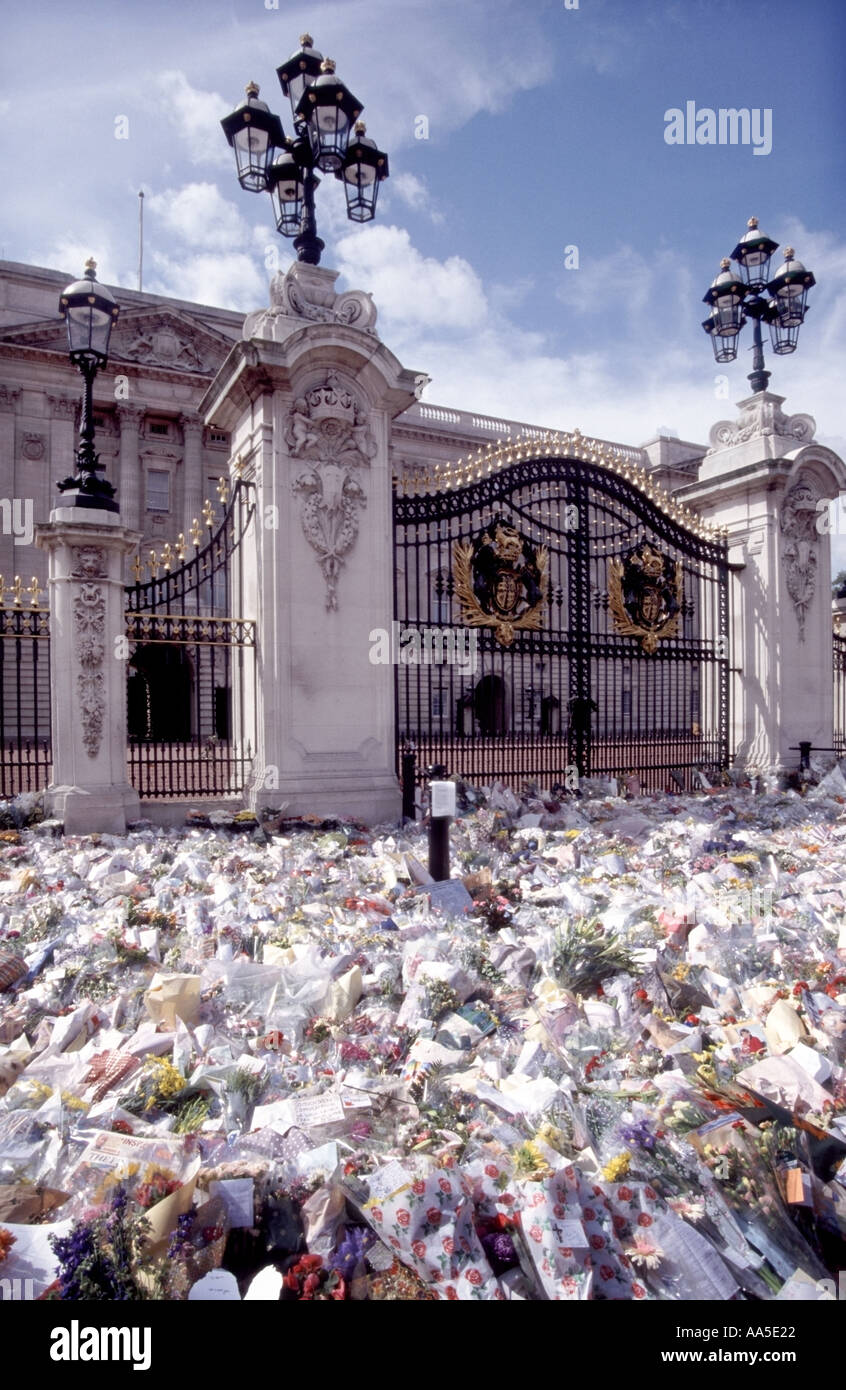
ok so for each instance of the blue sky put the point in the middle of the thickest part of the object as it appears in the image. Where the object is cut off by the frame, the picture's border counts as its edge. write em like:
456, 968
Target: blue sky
545, 130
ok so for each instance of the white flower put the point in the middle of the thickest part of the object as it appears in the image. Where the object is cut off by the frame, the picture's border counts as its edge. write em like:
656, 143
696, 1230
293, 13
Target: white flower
645, 1252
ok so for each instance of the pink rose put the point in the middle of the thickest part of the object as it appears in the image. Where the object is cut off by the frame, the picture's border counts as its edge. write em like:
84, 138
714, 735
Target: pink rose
448, 1244
639, 1291
419, 1249
597, 1242
606, 1272
433, 1216
403, 1217
443, 1184
492, 1170
536, 1233
473, 1276
644, 1219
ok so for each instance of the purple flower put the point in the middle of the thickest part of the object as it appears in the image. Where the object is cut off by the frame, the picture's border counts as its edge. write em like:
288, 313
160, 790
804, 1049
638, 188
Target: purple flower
639, 1136
499, 1248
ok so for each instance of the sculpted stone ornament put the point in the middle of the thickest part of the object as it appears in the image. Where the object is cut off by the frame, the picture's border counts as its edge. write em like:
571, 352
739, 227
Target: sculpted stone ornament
799, 515
328, 428
307, 292
89, 613
89, 562
762, 416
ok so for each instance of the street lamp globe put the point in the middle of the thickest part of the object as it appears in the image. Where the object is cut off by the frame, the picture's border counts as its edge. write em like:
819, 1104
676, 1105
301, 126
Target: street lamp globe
255, 134
89, 310
328, 109
286, 188
726, 295
753, 253
789, 287
363, 170
301, 69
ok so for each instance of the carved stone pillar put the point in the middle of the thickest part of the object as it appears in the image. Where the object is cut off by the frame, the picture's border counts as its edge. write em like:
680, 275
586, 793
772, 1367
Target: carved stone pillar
308, 401
89, 789
192, 466
129, 484
767, 481
9, 396
64, 411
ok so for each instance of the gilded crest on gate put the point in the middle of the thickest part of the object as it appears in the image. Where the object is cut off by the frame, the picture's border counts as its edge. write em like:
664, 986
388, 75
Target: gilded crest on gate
645, 595
501, 581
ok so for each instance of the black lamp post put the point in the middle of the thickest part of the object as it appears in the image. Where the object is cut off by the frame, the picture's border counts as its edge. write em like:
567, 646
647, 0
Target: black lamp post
89, 311
325, 120
736, 297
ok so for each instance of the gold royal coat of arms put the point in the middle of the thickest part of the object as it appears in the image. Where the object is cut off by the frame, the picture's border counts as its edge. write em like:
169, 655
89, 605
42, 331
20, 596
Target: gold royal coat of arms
501, 581
645, 595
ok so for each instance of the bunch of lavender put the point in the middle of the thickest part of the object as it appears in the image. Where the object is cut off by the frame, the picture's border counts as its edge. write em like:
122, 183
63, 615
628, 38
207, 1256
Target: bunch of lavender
99, 1259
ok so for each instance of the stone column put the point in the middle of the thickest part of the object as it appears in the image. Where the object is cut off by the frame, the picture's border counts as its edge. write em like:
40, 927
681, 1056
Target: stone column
192, 465
64, 411
308, 401
767, 481
9, 562
129, 483
89, 790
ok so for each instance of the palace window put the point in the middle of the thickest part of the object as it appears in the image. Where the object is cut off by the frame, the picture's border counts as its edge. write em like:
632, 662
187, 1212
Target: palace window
160, 427
158, 490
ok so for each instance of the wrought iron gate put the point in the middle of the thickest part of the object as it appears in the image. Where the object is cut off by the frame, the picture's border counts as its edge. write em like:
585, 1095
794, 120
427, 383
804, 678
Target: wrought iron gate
839, 671
190, 662
557, 617
25, 748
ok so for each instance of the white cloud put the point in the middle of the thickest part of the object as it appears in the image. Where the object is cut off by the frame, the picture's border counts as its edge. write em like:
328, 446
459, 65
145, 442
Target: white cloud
195, 118
199, 215
619, 377
412, 290
414, 192
229, 280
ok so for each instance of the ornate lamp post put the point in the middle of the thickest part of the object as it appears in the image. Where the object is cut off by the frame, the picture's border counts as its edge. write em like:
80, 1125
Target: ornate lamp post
327, 136
736, 296
89, 311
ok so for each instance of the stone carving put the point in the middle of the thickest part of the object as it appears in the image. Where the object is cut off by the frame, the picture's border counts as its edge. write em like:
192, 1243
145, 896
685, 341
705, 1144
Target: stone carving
307, 292
327, 428
800, 552
9, 396
89, 614
89, 562
130, 416
34, 447
158, 342
63, 407
761, 416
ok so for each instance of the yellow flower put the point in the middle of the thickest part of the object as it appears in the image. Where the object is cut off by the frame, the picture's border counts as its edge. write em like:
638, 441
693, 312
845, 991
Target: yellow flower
530, 1163
617, 1167
72, 1102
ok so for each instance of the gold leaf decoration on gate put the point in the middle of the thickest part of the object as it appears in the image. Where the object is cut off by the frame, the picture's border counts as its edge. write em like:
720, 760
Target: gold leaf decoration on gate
501, 581
645, 595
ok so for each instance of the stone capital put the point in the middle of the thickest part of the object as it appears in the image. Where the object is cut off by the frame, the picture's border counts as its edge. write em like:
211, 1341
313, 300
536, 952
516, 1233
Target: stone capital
130, 417
192, 426
63, 407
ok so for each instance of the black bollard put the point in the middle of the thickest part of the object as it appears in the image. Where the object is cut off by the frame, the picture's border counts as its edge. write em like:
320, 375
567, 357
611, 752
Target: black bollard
442, 810
409, 768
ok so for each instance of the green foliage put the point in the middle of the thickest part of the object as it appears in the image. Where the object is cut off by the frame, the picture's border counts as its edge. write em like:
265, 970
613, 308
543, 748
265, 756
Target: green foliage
585, 954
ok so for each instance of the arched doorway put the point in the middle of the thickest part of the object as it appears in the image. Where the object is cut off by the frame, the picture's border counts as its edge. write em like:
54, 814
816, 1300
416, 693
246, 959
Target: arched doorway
159, 691
491, 705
